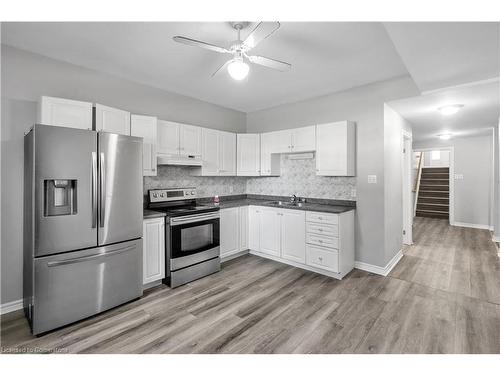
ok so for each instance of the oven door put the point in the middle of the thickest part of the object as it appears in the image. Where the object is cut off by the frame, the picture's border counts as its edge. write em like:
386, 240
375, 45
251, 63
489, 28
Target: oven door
194, 234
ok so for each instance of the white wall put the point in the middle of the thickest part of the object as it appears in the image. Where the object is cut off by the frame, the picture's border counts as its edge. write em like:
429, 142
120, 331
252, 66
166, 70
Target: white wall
473, 158
394, 125
25, 77
443, 159
365, 106
496, 173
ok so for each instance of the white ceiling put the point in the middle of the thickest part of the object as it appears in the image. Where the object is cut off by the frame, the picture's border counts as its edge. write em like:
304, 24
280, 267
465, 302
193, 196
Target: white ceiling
325, 57
481, 111
445, 54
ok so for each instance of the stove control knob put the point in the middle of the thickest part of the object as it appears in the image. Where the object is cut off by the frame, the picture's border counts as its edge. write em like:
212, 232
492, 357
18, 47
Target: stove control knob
162, 195
155, 195
192, 192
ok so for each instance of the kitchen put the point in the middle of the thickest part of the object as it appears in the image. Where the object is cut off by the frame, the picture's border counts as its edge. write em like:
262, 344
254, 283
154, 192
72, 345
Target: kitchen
168, 204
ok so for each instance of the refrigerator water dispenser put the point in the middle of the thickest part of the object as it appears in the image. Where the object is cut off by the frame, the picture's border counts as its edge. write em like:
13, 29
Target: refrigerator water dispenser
60, 197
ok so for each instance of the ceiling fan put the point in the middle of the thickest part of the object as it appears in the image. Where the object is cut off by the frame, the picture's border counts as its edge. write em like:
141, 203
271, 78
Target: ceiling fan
237, 66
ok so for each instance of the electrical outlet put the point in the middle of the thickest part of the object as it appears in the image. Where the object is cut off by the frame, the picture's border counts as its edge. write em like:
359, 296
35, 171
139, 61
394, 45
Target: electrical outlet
353, 193
372, 178
459, 176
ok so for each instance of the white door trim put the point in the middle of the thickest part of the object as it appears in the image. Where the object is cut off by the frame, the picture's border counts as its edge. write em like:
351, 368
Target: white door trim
406, 166
451, 149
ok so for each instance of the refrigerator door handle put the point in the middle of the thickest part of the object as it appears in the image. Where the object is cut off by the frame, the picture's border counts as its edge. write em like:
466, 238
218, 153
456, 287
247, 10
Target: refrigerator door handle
103, 191
94, 189
88, 257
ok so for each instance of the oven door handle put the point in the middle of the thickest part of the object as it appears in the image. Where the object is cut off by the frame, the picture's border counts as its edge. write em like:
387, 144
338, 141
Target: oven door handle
193, 218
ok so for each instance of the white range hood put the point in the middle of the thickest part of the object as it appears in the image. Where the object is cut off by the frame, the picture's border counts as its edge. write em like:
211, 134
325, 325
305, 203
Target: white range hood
194, 161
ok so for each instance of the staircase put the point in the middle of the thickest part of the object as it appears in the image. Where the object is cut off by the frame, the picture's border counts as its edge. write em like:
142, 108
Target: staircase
433, 193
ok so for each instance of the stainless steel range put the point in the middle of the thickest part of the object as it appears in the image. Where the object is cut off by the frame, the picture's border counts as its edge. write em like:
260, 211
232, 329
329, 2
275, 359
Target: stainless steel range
191, 235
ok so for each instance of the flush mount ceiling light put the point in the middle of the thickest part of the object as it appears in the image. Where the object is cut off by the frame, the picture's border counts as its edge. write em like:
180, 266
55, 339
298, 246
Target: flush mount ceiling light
444, 136
448, 110
238, 66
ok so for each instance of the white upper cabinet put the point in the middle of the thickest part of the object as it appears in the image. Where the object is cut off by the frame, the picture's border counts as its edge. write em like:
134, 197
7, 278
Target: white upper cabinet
168, 137
248, 154
336, 149
227, 152
64, 112
269, 159
146, 128
190, 140
293, 235
112, 120
303, 139
281, 141
210, 152
218, 152
176, 139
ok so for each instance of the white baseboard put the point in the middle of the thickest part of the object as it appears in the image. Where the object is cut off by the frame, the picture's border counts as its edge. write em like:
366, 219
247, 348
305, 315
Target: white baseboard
471, 225
236, 254
11, 306
384, 271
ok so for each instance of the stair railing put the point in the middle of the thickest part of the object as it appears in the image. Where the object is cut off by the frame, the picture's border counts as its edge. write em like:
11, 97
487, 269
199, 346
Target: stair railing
416, 188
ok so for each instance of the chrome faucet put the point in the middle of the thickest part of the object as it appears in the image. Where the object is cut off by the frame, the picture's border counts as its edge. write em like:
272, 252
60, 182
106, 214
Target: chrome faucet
293, 198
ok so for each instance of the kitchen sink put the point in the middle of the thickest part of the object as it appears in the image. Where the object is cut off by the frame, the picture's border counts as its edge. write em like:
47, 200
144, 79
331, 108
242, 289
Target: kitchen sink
286, 204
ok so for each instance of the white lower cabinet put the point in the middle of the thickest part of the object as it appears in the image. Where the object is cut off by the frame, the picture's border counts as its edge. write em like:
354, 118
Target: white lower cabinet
229, 231
244, 228
153, 250
270, 231
319, 242
293, 235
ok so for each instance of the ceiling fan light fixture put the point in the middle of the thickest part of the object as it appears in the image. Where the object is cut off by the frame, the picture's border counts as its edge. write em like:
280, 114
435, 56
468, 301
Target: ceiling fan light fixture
238, 69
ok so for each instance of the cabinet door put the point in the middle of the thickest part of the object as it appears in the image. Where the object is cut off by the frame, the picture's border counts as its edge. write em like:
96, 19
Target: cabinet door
112, 120
335, 149
293, 235
270, 164
190, 140
168, 137
153, 250
254, 228
229, 231
244, 228
270, 231
227, 154
64, 112
304, 139
210, 152
146, 128
281, 141
248, 154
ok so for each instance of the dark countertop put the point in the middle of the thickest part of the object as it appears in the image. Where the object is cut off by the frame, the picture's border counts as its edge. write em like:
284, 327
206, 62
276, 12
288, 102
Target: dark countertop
149, 214
318, 205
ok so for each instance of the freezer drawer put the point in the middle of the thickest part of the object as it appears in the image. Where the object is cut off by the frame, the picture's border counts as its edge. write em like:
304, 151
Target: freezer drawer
76, 285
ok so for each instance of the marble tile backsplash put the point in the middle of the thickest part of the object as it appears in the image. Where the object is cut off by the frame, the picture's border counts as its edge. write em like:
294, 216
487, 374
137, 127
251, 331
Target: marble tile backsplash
297, 177
170, 176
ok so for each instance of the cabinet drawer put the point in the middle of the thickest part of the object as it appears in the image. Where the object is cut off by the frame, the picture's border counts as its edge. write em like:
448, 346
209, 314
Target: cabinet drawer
326, 259
322, 218
325, 230
331, 242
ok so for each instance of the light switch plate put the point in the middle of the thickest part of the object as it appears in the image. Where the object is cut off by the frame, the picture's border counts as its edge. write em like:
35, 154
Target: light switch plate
372, 178
353, 193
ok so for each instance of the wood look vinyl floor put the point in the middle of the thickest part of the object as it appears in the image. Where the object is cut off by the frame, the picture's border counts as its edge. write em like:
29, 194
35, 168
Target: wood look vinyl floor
442, 297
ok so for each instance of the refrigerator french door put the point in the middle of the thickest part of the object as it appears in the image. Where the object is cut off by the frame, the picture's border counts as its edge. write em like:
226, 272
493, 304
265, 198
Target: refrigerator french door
83, 224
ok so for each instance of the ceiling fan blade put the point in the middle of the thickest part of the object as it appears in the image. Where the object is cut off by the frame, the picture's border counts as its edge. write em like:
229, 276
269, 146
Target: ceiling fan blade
197, 43
221, 68
261, 32
270, 63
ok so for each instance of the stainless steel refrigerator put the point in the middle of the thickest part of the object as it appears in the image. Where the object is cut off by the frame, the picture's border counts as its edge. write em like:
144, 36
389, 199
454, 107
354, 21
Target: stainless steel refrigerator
82, 224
